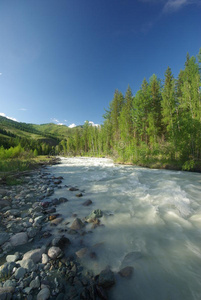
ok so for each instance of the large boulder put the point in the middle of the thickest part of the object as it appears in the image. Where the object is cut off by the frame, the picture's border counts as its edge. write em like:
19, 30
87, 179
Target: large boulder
35, 255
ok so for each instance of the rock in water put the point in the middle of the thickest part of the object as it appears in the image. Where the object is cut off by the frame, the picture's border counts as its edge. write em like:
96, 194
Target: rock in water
106, 278
77, 224
126, 272
87, 203
54, 252
95, 214
82, 252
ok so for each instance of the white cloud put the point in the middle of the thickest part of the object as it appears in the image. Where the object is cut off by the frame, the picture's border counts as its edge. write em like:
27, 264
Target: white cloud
4, 115
72, 125
174, 5
93, 124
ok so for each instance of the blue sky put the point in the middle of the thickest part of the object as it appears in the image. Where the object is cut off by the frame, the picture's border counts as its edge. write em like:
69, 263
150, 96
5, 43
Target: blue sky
61, 61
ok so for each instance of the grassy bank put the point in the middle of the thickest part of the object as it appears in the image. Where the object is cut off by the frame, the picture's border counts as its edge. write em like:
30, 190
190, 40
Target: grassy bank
12, 169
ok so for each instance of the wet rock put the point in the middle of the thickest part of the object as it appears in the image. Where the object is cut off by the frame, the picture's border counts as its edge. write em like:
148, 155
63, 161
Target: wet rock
95, 214
101, 292
20, 238
6, 247
126, 272
82, 252
35, 255
45, 204
4, 237
63, 200
79, 195
73, 189
54, 252
87, 203
44, 294
106, 278
6, 293
77, 224
56, 221
57, 182
53, 217
19, 273
38, 220
9, 283
60, 241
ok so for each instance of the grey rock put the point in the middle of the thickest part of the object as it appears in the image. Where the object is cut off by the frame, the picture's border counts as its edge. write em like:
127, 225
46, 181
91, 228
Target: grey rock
27, 290
54, 252
4, 237
7, 247
44, 294
31, 232
6, 270
13, 258
34, 284
60, 241
9, 283
6, 293
20, 238
35, 255
27, 264
95, 214
19, 273
106, 278
77, 224
38, 220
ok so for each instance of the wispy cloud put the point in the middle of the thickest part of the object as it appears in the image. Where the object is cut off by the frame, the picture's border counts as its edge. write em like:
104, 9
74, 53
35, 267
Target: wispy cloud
57, 121
23, 109
72, 125
170, 6
0, 74
4, 115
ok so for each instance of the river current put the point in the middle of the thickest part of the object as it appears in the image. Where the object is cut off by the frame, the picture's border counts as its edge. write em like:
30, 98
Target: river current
155, 214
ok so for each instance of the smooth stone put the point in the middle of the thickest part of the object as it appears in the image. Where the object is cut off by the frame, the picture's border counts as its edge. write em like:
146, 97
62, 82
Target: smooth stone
19, 273
54, 252
44, 294
126, 272
77, 224
63, 200
79, 195
31, 232
39, 219
13, 258
45, 259
106, 278
35, 255
27, 264
20, 238
10, 283
34, 284
4, 237
27, 290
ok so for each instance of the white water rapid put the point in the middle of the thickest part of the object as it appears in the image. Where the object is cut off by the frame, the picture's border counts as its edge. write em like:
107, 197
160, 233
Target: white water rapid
154, 213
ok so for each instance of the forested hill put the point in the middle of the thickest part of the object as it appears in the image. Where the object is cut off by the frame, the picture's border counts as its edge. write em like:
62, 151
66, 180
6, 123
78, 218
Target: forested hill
159, 126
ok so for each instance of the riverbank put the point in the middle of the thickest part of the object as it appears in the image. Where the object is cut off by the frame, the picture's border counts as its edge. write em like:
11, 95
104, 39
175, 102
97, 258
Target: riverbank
38, 260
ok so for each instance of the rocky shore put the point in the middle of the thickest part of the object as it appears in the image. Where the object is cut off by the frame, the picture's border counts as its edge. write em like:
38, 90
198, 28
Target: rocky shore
35, 262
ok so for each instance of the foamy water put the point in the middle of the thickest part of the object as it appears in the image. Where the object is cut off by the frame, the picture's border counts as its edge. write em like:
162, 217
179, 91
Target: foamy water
154, 213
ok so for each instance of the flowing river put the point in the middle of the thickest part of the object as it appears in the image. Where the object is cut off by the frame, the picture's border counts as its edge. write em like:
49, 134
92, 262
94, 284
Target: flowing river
155, 214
